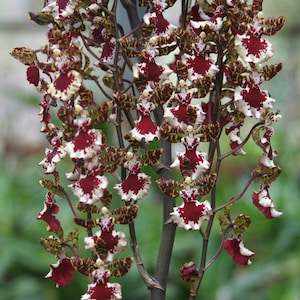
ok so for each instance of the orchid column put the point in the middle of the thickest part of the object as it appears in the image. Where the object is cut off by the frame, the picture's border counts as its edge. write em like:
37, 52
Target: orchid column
91, 73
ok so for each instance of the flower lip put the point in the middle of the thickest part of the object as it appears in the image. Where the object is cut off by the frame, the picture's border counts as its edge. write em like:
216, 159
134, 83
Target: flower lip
191, 214
89, 188
264, 203
145, 127
252, 48
136, 185
235, 247
61, 272
65, 85
86, 143
102, 288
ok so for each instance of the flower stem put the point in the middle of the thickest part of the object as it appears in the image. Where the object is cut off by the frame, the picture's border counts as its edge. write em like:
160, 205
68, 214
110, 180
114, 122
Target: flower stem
168, 229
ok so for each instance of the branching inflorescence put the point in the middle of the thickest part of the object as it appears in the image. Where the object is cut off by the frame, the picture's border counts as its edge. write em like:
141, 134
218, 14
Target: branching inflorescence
92, 72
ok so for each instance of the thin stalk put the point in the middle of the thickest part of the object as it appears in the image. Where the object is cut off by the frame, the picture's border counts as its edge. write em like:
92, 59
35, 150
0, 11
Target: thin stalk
67, 197
195, 286
243, 143
133, 17
149, 280
168, 229
214, 149
236, 198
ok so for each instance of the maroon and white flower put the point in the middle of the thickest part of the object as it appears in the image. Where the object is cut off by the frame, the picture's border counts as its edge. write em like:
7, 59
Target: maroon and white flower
44, 113
196, 159
65, 85
189, 271
212, 23
199, 64
49, 212
235, 139
136, 184
62, 9
112, 241
191, 214
90, 186
87, 141
177, 116
235, 247
108, 49
53, 156
251, 47
266, 159
251, 100
102, 289
152, 71
162, 26
145, 127
264, 203
61, 272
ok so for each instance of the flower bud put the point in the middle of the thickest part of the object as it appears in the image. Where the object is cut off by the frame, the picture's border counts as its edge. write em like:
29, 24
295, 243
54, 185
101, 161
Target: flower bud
189, 271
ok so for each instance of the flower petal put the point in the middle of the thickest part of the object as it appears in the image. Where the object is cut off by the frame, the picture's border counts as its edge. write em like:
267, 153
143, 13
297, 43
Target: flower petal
145, 128
65, 85
252, 48
136, 184
33, 75
265, 204
106, 242
47, 214
86, 143
102, 289
61, 272
252, 101
240, 255
90, 187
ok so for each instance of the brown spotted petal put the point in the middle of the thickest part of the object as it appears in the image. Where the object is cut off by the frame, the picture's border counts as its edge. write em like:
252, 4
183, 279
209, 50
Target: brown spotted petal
52, 245
269, 71
121, 266
206, 183
125, 101
170, 133
151, 156
273, 25
86, 223
100, 113
88, 208
83, 265
169, 187
125, 214
209, 132
25, 55
240, 224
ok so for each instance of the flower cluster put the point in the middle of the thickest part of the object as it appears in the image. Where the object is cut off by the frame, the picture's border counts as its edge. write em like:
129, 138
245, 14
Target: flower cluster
190, 85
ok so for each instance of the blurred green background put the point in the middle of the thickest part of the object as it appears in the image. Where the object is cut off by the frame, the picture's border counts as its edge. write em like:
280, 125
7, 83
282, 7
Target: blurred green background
275, 271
